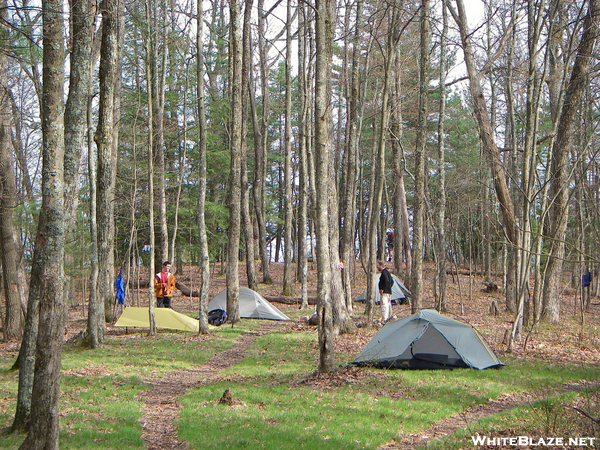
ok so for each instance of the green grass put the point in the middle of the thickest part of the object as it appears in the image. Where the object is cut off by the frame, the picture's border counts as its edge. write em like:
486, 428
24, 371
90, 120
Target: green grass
282, 405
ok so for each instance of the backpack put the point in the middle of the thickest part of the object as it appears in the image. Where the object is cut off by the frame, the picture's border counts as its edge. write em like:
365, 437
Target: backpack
217, 317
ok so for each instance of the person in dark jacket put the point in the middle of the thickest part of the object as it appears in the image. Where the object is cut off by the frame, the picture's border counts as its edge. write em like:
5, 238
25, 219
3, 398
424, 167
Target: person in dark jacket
385, 291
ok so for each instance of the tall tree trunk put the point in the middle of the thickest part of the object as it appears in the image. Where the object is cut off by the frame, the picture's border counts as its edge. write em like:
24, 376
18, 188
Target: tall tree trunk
202, 241
421, 159
288, 208
303, 122
560, 169
13, 275
325, 27
95, 305
260, 149
107, 155
233, 233
347, 242
158, 71
379, 180
245, 194
151, 264
47, 272
440, 219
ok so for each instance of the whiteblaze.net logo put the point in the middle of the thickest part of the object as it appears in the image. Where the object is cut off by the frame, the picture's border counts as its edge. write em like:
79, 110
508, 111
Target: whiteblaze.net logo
526, 441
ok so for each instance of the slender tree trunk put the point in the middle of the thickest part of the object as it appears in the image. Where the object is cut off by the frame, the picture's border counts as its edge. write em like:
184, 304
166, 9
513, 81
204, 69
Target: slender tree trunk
325, 27
95, 306
106, 155
378, 185
347, 243
260, 151
158, 71
303, 155
420, 167
13, 275
287, 289
202, 241
245, 193
151, 265
49, 253
233, 233
441, 208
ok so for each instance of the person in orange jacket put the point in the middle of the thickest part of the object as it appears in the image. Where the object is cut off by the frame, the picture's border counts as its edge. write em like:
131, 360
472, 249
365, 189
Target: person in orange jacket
164, 286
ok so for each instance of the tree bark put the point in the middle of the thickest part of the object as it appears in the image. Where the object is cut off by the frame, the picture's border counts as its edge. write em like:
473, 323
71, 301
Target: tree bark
260, 149
416, 285
151, 264
47, 271
202, 241
325, 27
287, 289
245, 194
303, 122
13, 275
106, 146
233, 233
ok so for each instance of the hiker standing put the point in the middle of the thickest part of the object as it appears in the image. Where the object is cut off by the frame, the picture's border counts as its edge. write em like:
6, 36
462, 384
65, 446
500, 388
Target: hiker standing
164, 286
385, 292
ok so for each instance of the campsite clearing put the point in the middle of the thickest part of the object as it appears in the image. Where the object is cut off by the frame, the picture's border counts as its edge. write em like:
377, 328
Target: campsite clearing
280, 401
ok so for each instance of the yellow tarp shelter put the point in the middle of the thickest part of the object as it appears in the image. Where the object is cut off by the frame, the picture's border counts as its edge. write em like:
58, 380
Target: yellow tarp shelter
164, 317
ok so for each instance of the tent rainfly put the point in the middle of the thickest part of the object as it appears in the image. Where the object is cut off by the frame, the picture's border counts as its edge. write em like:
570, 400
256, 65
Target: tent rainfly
427, 340
399, 292
164, 318
252, 305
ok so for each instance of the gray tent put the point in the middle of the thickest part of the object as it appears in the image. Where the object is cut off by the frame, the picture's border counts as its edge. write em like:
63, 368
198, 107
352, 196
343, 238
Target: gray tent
427, 340
399, 292
252, 305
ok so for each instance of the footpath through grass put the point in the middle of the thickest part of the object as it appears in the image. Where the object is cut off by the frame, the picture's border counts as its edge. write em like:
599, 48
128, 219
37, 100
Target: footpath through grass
280, 402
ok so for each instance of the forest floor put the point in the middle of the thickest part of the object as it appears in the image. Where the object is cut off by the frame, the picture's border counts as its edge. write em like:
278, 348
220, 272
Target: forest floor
467, 300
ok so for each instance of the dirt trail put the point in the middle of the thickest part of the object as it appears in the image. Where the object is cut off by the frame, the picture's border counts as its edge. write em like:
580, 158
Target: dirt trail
161, 405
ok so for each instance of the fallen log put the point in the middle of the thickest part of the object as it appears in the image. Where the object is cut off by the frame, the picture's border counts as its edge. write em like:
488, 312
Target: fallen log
290, 300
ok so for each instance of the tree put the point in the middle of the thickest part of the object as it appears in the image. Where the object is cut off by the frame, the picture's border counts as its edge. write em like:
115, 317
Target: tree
287, 289
12, 270
416, 284
47, 272
325, 27
245, 194
486, 133
107, 152
235, 143
559, 170
203, 244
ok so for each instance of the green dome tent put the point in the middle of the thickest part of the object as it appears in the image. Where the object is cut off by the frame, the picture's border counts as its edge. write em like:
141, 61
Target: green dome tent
427, 340
252, 305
